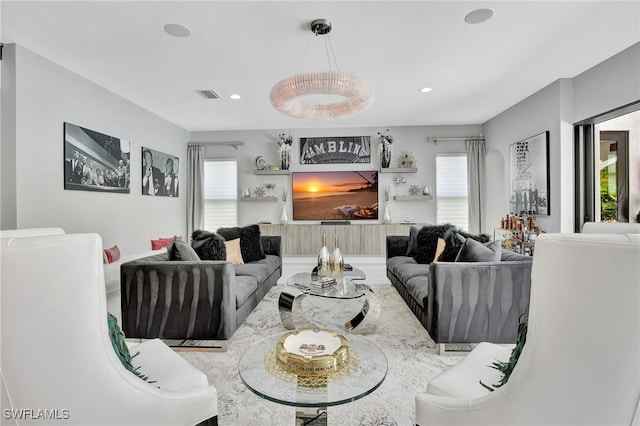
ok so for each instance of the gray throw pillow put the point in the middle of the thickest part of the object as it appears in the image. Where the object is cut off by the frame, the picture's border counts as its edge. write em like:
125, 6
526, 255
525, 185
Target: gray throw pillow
179, 250
475, 251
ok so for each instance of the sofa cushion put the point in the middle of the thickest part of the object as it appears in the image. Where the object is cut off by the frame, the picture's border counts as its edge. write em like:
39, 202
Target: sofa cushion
455, 239
474, 251
250, 244
428, 241
234, 255
418, 288
246, 285
208, 245
404, 268
179, 250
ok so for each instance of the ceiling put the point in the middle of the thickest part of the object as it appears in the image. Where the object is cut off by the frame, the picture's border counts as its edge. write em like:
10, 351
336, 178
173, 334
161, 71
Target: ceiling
476, 71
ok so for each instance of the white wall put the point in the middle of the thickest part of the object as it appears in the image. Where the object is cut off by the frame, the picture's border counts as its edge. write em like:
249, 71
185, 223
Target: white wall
48, 96
538, 113
608, 85
264, 142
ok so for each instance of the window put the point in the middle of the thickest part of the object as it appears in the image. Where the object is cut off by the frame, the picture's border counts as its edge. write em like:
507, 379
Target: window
452, 204
220, 194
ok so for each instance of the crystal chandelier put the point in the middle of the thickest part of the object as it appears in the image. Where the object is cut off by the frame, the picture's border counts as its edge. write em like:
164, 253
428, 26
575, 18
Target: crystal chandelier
355, 94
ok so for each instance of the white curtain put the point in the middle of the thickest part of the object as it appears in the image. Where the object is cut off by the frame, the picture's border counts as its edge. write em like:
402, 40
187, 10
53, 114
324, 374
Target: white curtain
476, 183
195, 188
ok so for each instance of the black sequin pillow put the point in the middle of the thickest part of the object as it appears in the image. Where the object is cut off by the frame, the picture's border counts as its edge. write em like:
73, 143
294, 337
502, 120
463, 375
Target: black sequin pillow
208, 245
250, 244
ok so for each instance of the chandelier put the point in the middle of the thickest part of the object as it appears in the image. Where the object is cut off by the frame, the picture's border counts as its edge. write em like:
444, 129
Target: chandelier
354, 94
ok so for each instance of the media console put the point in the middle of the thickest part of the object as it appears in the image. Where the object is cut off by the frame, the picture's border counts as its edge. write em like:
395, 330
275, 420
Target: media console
355, 239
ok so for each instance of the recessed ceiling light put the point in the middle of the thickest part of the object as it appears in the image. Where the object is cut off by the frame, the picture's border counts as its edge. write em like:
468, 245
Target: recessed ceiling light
177, 30
478, 16
425, 89
235, 96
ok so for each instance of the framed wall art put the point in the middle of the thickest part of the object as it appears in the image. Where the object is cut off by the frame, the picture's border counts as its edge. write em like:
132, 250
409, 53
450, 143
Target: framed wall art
159, 173
94, 161
335, 150
529, 175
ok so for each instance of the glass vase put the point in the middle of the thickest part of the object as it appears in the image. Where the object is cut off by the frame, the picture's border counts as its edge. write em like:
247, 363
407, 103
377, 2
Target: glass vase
386, 218
284, 217
323, 258
336, 261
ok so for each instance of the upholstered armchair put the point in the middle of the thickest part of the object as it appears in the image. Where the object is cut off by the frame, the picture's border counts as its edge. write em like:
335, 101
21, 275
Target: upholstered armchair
57, 361
581, 361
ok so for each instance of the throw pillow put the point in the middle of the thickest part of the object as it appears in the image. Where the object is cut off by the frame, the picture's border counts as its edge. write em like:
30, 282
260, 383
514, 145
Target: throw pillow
428, 242
161, 243
179, 250
250, 244
506, 368
455, 239
208, 245
475, 251
412, 248
121, 348
111, 254
234, 254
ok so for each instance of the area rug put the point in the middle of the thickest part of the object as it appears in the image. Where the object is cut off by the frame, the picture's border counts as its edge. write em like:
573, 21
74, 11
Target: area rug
411, 355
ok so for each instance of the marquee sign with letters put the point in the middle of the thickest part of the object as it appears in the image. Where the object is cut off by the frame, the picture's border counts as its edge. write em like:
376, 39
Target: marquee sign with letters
333, 150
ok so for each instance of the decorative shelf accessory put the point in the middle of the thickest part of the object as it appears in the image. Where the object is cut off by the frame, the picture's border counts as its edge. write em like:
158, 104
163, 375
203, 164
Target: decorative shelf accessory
386, 218
259, 163
426, 190
384, 149
414, 190
284, 151
259, 192
284, 216
406, 160
246, 193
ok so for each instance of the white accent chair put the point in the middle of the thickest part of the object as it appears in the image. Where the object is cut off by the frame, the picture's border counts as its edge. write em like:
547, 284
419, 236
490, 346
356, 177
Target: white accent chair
611, 228
56, 353
581, 362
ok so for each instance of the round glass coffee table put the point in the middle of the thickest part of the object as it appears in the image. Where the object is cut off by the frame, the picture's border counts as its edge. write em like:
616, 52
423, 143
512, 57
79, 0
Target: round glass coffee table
365, 372
363, 318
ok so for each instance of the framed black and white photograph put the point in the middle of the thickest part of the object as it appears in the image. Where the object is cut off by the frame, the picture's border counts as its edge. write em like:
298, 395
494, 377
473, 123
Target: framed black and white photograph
94, 161
335, 150
529, 175
159, 173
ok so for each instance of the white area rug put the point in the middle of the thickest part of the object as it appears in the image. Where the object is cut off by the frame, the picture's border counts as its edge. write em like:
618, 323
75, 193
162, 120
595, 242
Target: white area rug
410, 352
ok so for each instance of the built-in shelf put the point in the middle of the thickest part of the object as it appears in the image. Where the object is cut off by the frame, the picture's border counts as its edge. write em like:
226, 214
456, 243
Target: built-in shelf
399, 170
413, 197
268, 199
272, 172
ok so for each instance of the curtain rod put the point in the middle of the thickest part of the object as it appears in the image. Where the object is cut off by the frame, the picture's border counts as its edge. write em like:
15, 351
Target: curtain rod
454, 138
234, 144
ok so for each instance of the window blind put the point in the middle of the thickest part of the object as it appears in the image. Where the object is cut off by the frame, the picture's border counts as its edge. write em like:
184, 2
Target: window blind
452, 205
220, 194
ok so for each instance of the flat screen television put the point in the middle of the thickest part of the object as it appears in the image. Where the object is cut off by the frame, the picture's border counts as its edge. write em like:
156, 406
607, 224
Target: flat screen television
344, 195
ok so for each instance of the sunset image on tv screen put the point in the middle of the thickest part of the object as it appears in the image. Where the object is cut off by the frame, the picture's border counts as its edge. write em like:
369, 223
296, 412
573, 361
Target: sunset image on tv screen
335, 195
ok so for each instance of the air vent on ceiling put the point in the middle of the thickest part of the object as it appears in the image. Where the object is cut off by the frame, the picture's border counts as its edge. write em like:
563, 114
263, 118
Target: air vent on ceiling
209, 94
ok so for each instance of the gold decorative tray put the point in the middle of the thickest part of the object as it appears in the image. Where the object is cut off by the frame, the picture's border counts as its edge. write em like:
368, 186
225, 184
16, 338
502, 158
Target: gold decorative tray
312, 352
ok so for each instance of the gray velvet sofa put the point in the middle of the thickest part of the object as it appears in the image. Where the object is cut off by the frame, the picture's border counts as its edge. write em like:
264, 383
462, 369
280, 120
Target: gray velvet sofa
462, 302
207, 299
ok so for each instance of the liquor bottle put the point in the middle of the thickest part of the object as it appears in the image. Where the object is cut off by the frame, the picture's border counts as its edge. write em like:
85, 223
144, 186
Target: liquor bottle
323, 258
336, 262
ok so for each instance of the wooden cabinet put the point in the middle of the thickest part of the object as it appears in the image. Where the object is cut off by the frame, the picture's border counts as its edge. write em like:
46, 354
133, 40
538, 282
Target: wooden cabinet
355, 239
